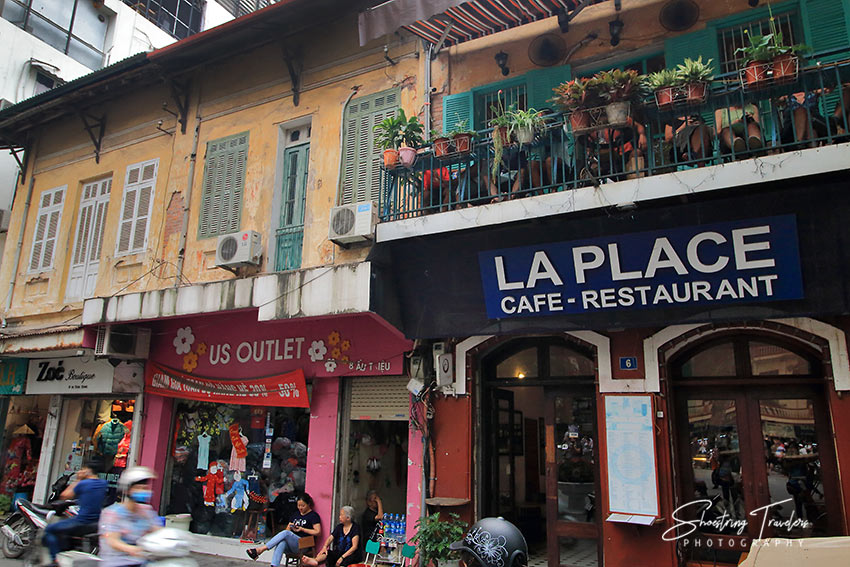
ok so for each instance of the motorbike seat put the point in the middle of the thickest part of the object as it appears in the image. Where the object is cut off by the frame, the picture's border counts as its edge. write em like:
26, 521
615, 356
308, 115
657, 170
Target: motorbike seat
42, 510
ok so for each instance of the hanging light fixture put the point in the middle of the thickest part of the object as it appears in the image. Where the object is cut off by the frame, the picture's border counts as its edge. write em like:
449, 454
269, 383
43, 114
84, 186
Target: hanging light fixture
615, 28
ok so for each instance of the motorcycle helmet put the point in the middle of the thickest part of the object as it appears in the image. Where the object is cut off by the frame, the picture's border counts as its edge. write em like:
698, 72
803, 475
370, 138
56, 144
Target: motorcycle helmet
493, 542
134, 475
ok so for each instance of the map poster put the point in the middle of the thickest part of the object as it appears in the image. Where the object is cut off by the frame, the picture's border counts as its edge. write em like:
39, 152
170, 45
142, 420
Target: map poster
630, 443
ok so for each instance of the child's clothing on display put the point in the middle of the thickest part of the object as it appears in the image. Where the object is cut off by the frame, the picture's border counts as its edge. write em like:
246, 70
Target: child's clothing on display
239, 451
239, 491
214, 484
203, 450
124, 446
109, 436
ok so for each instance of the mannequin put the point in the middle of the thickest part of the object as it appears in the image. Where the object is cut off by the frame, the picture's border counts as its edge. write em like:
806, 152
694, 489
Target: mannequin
214, 483
239, 491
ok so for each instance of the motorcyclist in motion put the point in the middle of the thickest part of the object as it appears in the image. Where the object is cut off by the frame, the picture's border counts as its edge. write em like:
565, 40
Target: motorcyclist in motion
89, 491
123, 523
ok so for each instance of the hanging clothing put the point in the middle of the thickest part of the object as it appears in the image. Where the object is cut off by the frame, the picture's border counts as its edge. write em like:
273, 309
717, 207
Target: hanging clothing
239, 490
20, 449
104, 411
109, 436
214, 484
124, 446
203, 450
239, 451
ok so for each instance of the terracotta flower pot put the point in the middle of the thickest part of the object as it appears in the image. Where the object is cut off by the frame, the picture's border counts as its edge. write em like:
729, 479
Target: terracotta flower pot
406, 156
755, 73
696, 92
463, 142
441, 146
664, 97
390, 158
785, 67
579, 120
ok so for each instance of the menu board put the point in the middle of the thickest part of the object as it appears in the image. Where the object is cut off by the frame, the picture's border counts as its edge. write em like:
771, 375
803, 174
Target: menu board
630, 443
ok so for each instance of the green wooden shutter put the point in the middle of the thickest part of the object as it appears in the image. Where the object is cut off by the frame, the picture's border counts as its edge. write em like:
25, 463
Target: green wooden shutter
826, 26
692, 45
541, 82
457, 107
224, 184
361, 159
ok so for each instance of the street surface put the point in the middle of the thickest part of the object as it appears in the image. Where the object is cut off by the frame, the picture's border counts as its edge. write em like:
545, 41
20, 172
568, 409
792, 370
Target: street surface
202, 559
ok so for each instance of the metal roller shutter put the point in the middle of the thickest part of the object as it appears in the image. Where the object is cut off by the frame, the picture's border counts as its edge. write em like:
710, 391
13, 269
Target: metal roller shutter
380, 398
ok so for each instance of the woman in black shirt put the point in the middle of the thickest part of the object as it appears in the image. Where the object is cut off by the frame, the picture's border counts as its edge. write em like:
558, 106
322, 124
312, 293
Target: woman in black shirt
304, 523
346, 543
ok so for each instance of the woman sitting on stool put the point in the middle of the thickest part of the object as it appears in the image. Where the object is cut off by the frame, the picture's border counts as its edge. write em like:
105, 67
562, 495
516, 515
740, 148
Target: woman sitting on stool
305, 523
346, 543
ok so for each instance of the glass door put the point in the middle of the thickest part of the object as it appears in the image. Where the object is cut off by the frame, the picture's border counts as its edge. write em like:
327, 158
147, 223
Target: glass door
572, 478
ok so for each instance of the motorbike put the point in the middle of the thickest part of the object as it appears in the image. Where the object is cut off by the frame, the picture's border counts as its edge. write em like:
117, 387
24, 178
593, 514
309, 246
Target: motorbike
166, 547
21, 533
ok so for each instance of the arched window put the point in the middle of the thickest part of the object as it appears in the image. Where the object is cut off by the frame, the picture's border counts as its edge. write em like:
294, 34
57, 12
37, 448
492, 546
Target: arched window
539, 359
745, 357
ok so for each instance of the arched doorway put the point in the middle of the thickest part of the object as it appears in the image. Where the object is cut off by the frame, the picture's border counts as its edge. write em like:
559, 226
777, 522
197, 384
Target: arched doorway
539, 431
753, 446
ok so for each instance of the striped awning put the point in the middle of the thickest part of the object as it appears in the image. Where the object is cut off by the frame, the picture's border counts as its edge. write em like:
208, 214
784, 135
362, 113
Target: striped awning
479, 18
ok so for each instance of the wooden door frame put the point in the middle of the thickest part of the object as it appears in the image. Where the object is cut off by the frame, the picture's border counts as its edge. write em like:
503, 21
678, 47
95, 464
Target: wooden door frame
746, 397
556, 528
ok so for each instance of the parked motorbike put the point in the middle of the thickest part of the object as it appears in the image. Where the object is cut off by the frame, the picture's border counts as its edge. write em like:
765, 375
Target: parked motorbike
21, 533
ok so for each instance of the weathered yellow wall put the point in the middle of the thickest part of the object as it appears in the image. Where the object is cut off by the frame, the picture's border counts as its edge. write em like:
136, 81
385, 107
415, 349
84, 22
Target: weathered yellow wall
249, 92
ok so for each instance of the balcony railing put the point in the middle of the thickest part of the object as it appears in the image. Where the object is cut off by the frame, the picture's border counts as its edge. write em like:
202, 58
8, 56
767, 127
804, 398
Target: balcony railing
732, 123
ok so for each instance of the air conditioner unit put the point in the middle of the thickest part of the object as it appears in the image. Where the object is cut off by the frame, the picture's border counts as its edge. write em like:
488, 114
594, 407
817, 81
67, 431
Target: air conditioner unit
239, 249
353, 223
122, 341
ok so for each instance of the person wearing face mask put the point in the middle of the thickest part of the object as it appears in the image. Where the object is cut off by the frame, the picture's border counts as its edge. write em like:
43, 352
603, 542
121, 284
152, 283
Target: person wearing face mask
123, 523
89, 490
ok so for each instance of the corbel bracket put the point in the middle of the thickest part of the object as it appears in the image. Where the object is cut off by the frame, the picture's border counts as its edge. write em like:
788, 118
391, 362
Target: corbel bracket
95, 126
180, 95
294, 66
20, 155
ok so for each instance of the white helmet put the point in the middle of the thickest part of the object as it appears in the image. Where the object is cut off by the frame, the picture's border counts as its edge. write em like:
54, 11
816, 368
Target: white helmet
134, 475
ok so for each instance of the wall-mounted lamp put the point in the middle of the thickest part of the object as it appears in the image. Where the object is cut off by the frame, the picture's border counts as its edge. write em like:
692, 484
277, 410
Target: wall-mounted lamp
502, 61
615, 28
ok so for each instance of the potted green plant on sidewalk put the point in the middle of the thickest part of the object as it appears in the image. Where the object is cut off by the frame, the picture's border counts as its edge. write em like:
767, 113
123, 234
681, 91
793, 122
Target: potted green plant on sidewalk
434, 536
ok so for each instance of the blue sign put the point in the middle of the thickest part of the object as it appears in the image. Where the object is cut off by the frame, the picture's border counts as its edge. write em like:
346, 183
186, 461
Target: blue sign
628, 363
734, 262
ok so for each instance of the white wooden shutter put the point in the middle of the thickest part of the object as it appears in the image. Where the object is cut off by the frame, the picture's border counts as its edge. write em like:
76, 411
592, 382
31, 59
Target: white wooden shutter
88, 240
136, 207
47, 225
362, 158
380, 398
224, 184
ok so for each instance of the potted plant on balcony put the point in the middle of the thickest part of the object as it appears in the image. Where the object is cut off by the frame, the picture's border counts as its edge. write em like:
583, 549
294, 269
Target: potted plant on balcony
434, 536
757, 56
462, 136
410, 138
525, 124
575, 97
663, 83
389, 138
441, 142
695, 75
619, 89
501, 123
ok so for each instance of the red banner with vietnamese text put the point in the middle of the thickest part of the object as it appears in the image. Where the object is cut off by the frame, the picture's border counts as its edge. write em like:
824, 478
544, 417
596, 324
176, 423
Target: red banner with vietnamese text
281, 390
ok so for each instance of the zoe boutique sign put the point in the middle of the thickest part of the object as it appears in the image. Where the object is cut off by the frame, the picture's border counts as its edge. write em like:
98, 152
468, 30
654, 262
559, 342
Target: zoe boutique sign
69, 376
745, 261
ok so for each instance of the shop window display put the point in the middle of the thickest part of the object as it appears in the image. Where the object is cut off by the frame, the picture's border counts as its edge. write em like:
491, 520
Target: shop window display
235, 469
22, 446
96, 429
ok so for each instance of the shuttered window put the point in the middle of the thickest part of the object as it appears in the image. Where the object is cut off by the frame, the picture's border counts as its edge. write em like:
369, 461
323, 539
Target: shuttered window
88, 239
47, 229
136, 204
361, 179
224, 184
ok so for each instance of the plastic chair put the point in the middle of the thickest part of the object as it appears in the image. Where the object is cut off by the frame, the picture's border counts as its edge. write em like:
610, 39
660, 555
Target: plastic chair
304, 543
373, 548
408, 552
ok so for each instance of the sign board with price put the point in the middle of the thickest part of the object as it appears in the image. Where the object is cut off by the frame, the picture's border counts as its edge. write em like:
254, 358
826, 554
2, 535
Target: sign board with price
69, 376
